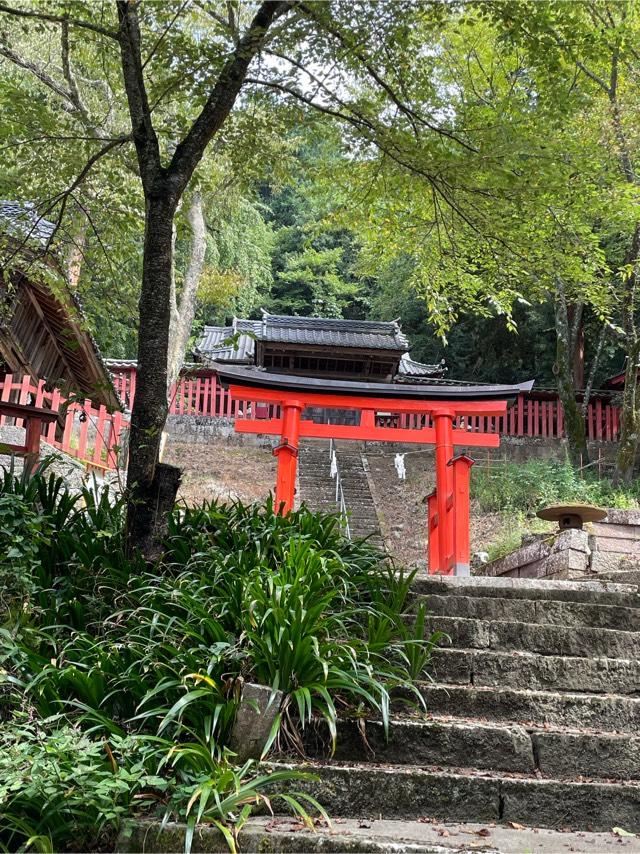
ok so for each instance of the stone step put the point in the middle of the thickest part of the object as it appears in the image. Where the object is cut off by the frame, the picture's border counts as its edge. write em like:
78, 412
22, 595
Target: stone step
484, 667
484, 746
400, 792
601, 712
532, 637
284, 835
598, 592
541, 612
624, 576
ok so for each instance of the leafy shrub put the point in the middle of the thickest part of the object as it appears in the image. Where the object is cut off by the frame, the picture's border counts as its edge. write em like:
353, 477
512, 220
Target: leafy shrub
21, 529
123, 651
61, 789
533, 484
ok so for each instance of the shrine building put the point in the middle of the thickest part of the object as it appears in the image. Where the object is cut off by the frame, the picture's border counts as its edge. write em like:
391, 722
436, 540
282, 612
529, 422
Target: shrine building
322, 347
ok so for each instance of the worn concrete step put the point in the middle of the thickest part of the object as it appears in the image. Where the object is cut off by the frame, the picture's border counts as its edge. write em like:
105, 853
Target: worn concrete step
281, 835
532, 637
543, 612
400, 792
598, 592
426, 742
565, 754
284, 835
602, 712
484, 667
624, 576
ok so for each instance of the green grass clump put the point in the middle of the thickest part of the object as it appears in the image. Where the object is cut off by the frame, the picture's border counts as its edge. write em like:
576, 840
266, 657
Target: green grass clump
528, 486
140, 667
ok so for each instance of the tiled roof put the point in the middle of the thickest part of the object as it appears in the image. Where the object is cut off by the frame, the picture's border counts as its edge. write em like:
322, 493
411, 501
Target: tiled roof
212, 345
22, 220
409, 368
259, 378
120, 364
314, 331
332, 332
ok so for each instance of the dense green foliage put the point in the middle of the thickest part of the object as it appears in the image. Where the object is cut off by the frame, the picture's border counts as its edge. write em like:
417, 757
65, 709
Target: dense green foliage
142, 667
529, 486
448, 174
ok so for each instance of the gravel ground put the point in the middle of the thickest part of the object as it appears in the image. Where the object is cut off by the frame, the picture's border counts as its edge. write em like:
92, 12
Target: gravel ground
221, 470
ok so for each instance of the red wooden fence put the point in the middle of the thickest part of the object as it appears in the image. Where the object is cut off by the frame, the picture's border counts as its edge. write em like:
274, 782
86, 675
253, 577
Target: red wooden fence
91, 434
94, 436
531, 415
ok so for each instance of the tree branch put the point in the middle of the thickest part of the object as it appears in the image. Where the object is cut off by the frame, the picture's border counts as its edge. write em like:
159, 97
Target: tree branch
406, 110
58, 19
88, 166
222, 98
74, 92
144, 135
38, 72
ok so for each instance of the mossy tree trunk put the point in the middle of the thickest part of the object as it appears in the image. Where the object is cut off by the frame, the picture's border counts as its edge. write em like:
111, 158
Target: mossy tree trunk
565, 372
629, 416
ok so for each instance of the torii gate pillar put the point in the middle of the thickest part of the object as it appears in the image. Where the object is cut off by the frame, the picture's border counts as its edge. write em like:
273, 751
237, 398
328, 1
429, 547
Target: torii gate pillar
287, 454
443, 419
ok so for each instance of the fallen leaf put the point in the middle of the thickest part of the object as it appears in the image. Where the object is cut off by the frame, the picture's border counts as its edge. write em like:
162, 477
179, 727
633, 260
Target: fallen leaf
483, 832
620, 831
364, 824
516, 826
442, 831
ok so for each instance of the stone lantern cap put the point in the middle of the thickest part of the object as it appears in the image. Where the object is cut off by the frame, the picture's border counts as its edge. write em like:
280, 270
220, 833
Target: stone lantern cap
571, 515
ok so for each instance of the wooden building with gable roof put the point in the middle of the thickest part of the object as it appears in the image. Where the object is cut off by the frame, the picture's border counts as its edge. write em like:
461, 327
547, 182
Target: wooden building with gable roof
43, 332
323, 347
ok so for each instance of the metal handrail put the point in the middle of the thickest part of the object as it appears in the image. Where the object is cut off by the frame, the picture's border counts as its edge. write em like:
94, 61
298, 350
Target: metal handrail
335, 472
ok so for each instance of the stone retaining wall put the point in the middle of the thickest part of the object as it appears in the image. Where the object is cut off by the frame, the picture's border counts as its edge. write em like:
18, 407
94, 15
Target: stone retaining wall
201, 429
602, 548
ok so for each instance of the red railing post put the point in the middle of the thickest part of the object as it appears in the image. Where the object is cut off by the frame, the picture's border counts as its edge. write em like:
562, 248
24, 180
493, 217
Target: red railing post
520, 419
99, 440
444, 486
84, 430
7, 385
68, 429
55, 407
433, 553
114, 440
461, 466
132, 387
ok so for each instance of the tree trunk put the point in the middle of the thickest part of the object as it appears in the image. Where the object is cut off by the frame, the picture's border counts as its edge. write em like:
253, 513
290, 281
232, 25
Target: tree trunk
182, 316
629, 416
593, 370
75, 256
575, 317
150, 404
163, 188
628, 444
573, 419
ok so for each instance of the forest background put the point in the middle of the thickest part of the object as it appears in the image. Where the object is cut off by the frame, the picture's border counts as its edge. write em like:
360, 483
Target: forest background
468, 168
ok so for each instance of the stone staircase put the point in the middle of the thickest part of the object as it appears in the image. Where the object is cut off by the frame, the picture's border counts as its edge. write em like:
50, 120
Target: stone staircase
317, 487
533, 717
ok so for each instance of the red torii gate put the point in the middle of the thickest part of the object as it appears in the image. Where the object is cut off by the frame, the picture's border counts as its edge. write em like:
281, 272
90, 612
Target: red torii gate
448, 504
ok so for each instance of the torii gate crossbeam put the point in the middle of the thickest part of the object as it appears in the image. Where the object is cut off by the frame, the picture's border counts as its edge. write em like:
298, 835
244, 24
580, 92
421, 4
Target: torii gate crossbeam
448, 505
